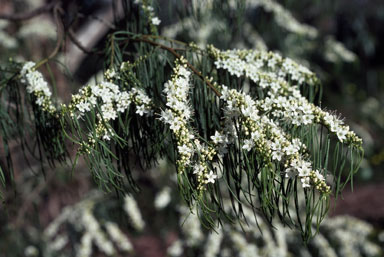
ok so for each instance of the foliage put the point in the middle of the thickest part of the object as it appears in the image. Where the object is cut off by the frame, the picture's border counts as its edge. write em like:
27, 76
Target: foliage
241, 125
102, 225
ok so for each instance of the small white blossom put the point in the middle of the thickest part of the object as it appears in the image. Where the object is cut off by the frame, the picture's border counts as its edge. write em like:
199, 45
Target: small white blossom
183, 149
210, 177
198, 169
155, 21
217, 138
248, 144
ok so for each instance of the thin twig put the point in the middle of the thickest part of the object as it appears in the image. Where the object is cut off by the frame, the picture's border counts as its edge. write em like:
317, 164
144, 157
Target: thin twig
172, 51
100, 19
60, 35
28, 15
112, 50
167, 39
60, 30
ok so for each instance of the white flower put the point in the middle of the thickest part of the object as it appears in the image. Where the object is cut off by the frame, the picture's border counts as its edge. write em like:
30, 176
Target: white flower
106, 137
319, 176
141, 110
122, 102
155, 21
291, 149
40, 100
277, 155
185, 150
184, 72
175, 124
108, 112
306, 182
303, 168
198, 169
341, 133
83, 106
248, 144
277, 152
328, 119
217, 138
256, 135
210, 177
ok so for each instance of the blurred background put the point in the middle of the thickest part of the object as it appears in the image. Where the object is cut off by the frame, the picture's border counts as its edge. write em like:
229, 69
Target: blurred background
64, 214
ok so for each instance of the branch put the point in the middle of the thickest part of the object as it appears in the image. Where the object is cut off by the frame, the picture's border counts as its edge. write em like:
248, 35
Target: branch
60, 35
28, 15
100, 19
172, 51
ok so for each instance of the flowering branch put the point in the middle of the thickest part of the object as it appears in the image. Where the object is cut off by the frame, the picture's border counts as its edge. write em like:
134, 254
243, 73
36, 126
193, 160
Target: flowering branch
60, 34
262, 146
172, 51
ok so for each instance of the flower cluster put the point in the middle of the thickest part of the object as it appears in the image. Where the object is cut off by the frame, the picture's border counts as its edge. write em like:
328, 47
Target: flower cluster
163, 198
37, 87
112, 101
285, 19
240, 243
191, 226
31, 251
265, 137
337, 126
209, 25
108, 238
118, 237
111, 74
175, 249
351, 234
149, 11
93, 233
270, 71
286, 103
336, 51
254, 64
212, 248
133, 212
177, 116
178, 113
294, 109
106, 97
5, 39
350, 237
38, 28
